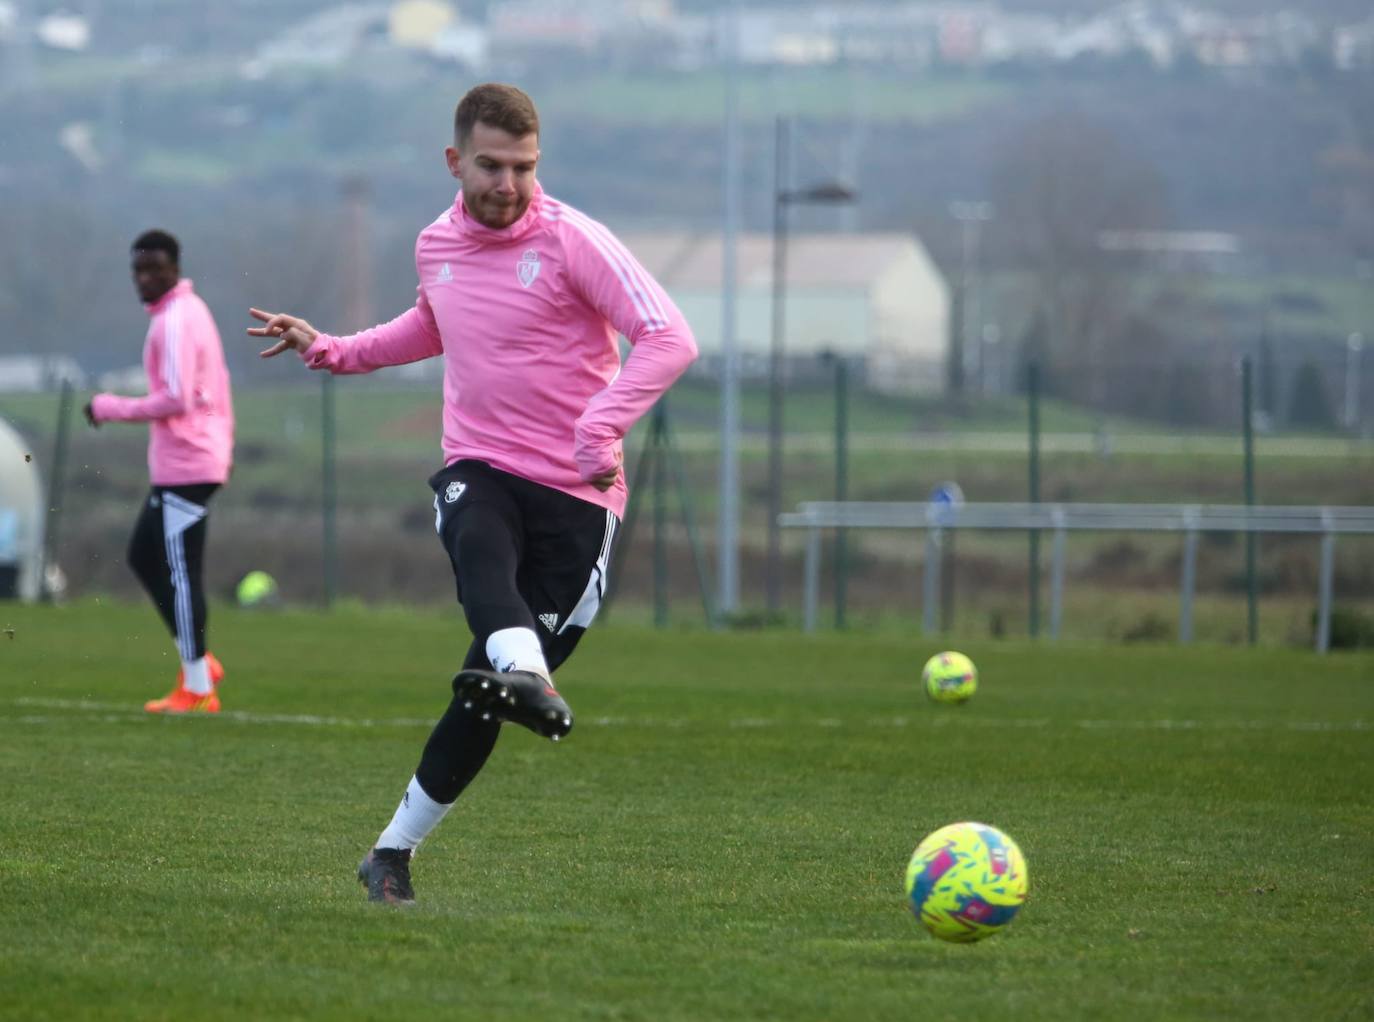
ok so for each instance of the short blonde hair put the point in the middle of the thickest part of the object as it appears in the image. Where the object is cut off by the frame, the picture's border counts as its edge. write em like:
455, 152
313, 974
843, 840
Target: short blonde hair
500, 106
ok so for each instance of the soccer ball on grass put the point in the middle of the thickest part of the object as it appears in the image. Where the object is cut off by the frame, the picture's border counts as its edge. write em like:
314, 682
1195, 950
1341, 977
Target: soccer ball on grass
966, 881
949, 677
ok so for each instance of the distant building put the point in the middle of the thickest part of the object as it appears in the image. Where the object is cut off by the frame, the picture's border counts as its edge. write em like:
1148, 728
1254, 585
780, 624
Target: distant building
64, 31
463, 44
1177, 251
33, 374
877, 298
526, 28
906, 34
328, 38
416, 24
1352, 47
1028, 38
131, 379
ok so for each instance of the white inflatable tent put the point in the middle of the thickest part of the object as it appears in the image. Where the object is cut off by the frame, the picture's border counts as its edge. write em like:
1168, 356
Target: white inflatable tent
21, 518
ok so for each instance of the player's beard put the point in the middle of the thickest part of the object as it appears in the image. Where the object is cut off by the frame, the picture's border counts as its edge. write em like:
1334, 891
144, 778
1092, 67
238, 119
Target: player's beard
498, 214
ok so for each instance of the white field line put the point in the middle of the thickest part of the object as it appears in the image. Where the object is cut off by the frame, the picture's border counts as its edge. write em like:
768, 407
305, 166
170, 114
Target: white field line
119, 713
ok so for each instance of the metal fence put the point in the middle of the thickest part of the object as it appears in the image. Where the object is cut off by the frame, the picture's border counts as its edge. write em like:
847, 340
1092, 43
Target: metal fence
329, 493
1059, 519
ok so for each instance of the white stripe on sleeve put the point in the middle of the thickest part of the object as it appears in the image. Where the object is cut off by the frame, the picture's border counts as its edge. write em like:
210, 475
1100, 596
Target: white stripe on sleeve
615, 248
171, 348
638, 286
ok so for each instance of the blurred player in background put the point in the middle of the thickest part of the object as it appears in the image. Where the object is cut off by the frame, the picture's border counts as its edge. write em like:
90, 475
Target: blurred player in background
190, 450
524, 297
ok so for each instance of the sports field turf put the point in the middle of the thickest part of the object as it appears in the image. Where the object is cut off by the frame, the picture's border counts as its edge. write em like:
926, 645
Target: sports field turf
723, 836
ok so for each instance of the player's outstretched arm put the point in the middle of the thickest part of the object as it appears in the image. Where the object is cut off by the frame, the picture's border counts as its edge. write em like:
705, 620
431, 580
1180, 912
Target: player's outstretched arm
290, 332
410, 337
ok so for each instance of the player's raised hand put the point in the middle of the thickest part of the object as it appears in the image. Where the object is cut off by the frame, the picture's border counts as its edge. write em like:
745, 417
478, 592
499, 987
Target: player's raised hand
290, 332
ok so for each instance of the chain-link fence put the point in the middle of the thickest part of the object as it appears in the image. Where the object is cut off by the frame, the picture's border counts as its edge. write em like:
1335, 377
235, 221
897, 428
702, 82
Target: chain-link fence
1106, 433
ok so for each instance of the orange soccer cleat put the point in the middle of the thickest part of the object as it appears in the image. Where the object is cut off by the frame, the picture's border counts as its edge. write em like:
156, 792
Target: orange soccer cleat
181, 700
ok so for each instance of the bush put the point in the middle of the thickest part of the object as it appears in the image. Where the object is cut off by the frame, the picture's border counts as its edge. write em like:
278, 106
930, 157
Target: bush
1349, 629
1308, 406
1150, 628
753, 620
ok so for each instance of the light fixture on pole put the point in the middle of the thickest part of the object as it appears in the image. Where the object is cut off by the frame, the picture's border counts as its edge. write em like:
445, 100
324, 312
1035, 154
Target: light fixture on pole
827, 193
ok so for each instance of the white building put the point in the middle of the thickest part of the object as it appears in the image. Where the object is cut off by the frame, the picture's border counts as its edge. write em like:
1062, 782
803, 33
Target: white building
878, 298
1352, 47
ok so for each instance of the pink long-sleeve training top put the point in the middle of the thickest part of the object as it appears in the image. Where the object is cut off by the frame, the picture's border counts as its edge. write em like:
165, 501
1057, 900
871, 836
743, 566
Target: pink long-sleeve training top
527, 319
188, 406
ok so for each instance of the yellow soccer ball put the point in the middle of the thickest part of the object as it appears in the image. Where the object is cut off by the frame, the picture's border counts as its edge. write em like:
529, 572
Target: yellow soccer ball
966, 882
256, 589
949, 677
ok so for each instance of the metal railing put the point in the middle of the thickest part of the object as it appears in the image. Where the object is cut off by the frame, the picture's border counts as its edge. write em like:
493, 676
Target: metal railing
1060, 519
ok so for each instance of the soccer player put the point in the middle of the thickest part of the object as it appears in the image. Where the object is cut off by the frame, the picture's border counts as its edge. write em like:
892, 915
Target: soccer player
524, 296
190, 451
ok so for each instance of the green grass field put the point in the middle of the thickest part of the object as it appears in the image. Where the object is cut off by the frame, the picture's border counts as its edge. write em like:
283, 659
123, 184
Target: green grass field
723, 836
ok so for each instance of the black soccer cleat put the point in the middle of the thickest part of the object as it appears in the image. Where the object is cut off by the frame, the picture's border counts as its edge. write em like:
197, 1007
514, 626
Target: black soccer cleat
385, 872
520, 697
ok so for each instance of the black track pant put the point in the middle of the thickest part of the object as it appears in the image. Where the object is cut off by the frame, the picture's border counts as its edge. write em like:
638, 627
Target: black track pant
167, 553
523, 556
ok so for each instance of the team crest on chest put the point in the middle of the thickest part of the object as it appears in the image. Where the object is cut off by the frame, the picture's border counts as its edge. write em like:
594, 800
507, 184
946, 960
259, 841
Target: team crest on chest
527, 269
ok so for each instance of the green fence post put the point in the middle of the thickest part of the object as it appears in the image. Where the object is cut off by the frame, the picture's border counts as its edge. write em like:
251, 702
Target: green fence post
659, 442
671, 455
329, 496
1033, 409
841, 485
56, 483
1248, 431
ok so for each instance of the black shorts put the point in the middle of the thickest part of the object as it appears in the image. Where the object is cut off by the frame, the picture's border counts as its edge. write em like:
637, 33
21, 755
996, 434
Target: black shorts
540, 546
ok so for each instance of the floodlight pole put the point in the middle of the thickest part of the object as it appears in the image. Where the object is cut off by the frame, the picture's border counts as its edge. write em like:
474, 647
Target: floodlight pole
1033, 473
831, 192
727, 528
357, 196
773, 570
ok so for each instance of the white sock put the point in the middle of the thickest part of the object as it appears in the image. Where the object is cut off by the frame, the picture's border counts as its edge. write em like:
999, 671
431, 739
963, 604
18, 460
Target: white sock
517, 649
415, 817
195, 676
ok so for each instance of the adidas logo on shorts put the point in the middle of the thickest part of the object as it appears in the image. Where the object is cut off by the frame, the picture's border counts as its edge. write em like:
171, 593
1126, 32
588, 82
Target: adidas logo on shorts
549, 621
